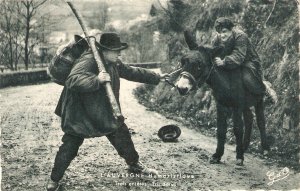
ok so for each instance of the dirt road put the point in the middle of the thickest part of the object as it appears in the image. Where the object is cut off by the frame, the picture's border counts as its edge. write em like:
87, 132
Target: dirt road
31, 136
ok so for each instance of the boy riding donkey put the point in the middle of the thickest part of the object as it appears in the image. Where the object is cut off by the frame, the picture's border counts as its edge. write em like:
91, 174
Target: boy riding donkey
237, 52
85, 110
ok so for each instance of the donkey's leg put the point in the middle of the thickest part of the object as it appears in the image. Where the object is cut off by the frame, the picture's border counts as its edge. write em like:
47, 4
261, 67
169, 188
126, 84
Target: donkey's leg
238, 125
248, 121
221, 133
261, 123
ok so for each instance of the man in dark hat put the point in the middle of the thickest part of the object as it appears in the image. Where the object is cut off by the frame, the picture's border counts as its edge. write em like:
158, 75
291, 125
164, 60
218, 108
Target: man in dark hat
85, 110
238, 51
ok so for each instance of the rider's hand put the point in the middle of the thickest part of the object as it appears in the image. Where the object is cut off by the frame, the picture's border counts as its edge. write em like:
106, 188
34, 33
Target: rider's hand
164, 77
104, 77
219, 61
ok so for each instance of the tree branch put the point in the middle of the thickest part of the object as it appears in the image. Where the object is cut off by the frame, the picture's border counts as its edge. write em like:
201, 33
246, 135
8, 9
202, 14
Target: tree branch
265, 25
39, 4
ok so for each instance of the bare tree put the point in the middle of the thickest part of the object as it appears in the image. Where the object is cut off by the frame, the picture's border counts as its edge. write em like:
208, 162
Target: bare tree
28, 13
97, 16
11, 26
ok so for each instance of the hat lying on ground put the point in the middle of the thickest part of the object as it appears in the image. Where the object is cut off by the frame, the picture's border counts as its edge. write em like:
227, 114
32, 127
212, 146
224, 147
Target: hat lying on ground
169, 133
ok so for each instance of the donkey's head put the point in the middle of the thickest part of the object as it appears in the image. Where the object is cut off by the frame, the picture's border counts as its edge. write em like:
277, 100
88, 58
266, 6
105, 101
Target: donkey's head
196, 68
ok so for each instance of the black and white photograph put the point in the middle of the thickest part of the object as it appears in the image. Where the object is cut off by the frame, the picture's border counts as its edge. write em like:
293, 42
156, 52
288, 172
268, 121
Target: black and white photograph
142, 95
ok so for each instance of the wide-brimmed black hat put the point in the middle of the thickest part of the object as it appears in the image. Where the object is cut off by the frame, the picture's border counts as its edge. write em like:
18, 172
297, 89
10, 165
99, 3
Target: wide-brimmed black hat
169, 133
111, 41
223, 22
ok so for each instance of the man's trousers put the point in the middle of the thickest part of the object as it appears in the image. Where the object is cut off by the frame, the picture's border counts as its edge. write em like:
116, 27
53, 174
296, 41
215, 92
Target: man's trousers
121, 140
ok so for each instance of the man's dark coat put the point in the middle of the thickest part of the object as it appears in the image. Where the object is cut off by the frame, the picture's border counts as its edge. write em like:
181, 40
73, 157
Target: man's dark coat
83, 106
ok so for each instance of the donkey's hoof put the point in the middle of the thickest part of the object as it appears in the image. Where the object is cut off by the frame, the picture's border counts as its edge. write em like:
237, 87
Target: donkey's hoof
239, 162
215, 160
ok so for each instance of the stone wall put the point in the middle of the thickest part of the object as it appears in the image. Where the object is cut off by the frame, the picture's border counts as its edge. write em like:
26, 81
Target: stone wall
22, 78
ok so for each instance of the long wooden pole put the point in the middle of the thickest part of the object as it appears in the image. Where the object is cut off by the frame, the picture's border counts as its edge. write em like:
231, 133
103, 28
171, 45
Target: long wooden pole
298, 5
99, 60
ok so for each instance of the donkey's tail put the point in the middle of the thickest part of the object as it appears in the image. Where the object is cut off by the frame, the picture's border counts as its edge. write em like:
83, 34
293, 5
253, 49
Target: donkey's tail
270, 91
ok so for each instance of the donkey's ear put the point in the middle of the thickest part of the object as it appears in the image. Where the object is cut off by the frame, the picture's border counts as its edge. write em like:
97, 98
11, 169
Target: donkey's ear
190, 40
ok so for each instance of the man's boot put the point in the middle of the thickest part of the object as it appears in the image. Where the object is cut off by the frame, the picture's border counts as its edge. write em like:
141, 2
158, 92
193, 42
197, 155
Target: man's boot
139, 168
52, 185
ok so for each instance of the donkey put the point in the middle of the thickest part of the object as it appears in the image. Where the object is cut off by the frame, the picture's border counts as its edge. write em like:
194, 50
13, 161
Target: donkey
229, 92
